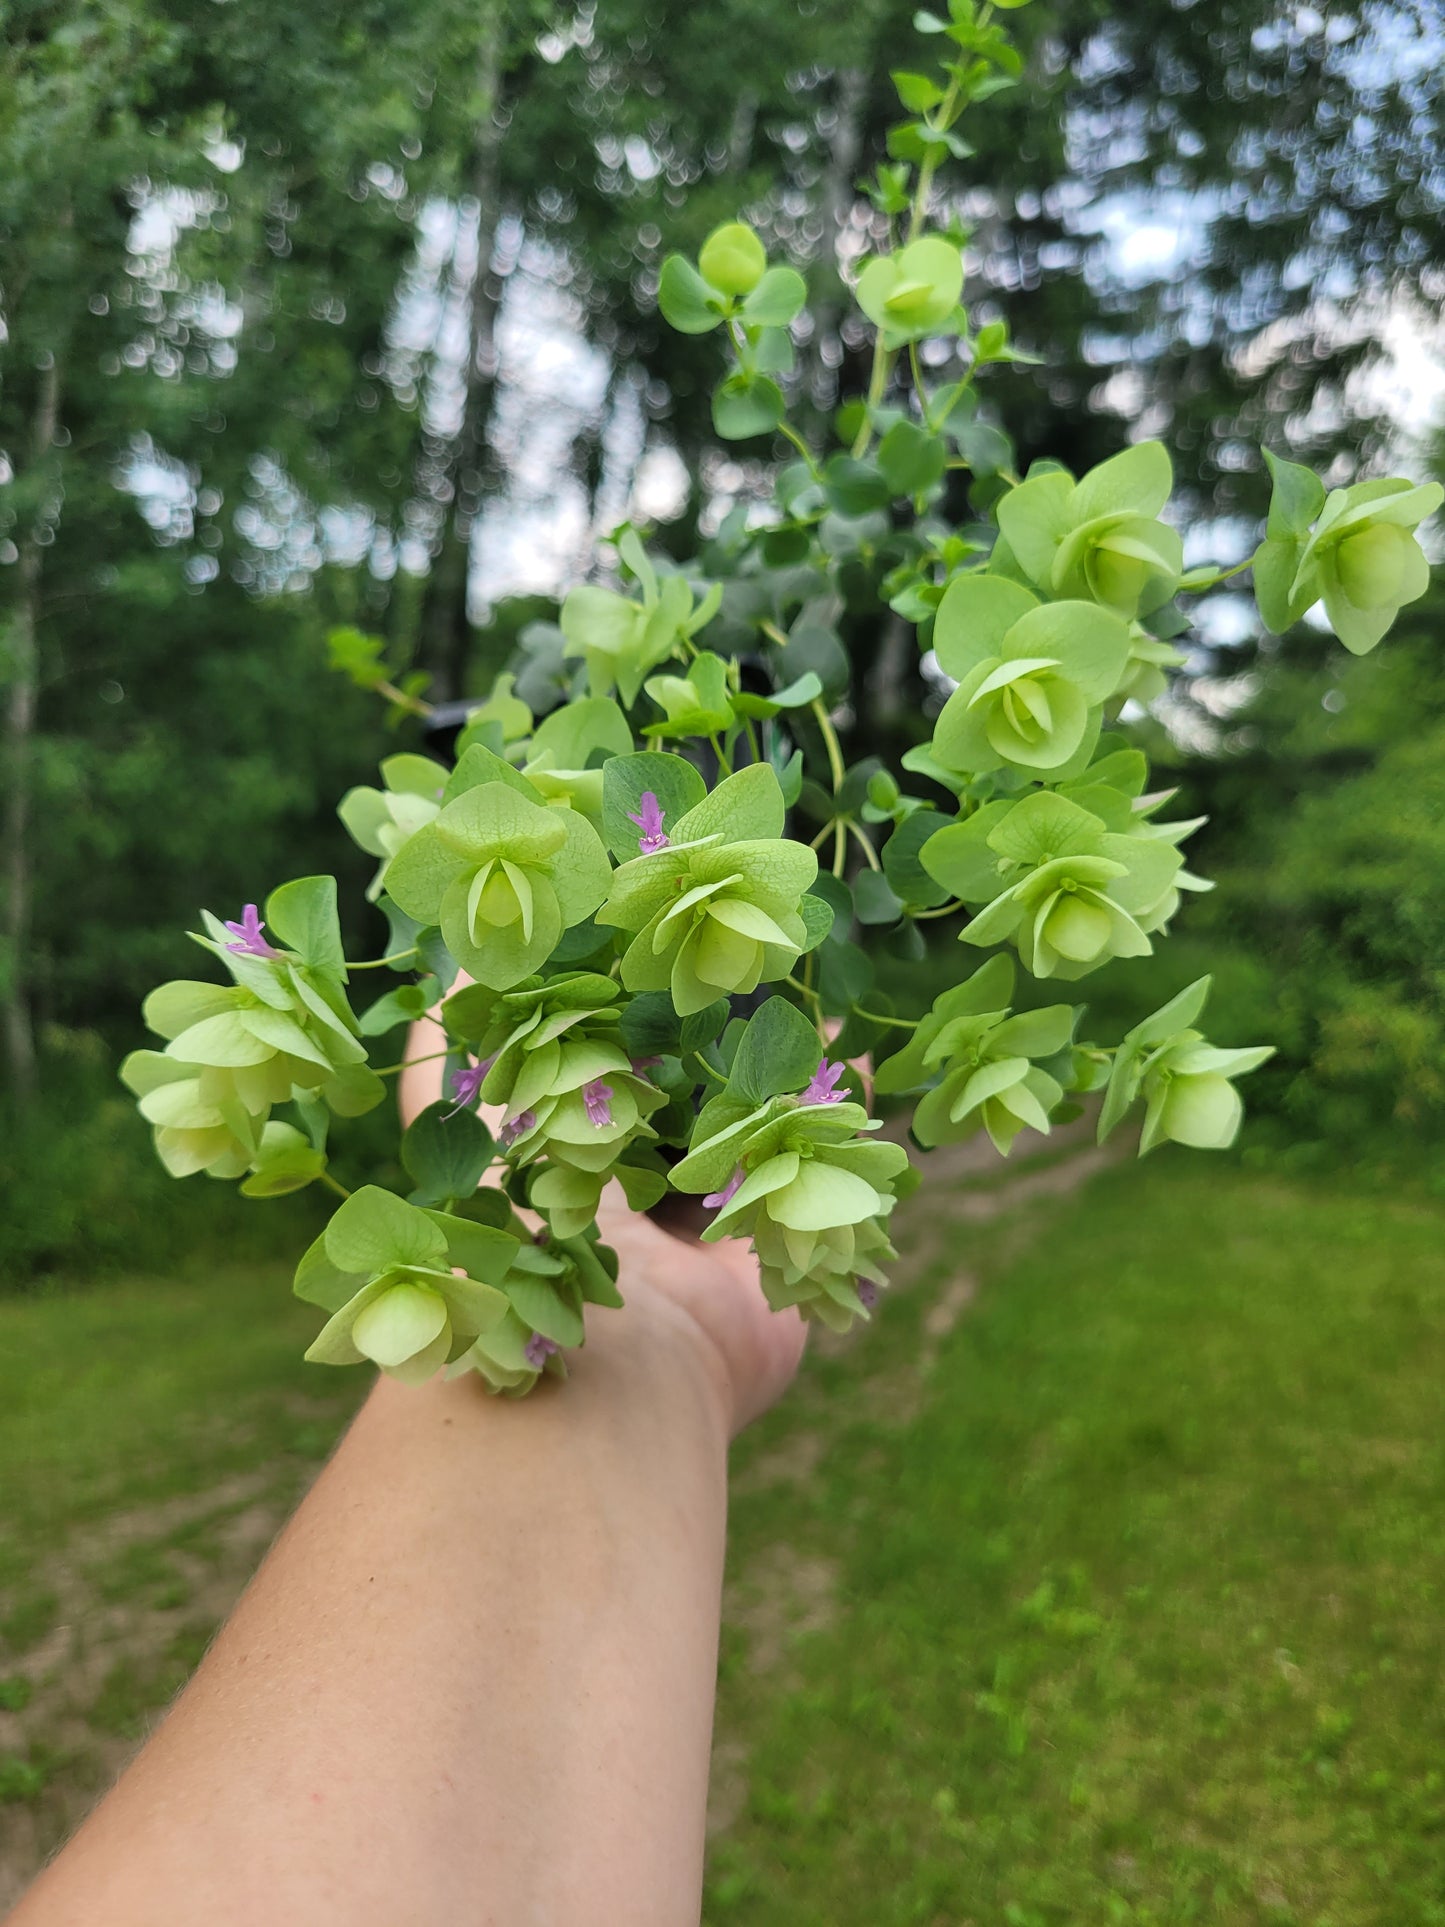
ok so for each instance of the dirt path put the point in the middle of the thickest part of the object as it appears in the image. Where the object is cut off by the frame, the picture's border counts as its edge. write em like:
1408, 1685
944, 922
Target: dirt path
99, 1679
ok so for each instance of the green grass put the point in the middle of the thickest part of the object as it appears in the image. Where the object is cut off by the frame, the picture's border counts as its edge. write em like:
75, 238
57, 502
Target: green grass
1120, 1601
1138, 1619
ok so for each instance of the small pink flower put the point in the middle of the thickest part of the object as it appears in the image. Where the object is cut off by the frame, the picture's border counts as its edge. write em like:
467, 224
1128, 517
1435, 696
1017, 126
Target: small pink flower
467, 1084
821, 1090
715, 1200
648, 819
641, 1064
516, 1127
867, 1292
538, 1350
597, 1099
249, 940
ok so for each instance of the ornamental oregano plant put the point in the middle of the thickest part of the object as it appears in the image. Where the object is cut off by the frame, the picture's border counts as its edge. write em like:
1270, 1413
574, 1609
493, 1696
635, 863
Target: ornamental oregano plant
643, 919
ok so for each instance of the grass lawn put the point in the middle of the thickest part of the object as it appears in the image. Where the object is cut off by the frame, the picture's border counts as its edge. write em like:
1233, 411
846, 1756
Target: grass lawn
1112, 1595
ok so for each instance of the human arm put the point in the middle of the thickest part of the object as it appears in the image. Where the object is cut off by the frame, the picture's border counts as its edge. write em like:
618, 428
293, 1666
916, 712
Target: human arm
473, 1681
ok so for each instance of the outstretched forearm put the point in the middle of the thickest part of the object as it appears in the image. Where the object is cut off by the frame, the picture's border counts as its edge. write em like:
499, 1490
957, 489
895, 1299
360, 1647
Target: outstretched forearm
472, 1682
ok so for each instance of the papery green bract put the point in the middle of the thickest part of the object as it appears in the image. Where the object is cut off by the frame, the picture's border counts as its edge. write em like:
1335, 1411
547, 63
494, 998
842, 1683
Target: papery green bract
621, 640
914, 292
382, 820
1186, 1083
1099, 538
1054, 881
1361, 559
717, 911
813, 1196
403, 1285
985, 1060
236, 1050
559, 1072
503, 875
1032, 678
732, 259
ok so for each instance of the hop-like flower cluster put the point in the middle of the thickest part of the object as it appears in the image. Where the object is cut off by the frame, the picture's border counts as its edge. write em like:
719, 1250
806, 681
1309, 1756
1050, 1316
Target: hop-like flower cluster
235, 1051
799, 1178
716, 909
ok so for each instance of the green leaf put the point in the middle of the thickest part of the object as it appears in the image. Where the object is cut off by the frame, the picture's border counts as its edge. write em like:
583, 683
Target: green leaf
400, 1006
745, 405
303, 915
625, 779
285, 1161
687, 302
911, 458
445, 1151
902, 864
588, 727
542, 1306
779, 1052
817, 915
855, 487
1296, 498
374, 1229
319, 1282
745, 807
918, 92
874, 898
779, 298
482, 1251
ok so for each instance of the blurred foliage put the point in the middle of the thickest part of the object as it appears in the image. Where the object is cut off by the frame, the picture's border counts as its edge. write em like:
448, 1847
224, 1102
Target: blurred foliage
249, 371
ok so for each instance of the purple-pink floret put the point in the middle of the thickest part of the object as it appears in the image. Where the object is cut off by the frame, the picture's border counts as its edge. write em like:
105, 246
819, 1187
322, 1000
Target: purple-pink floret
715, 1200
515, 1127
467, 1086
597, 1099
641, 1064
249, 940
867, 1292
821, 1090
538, 1350
648, 819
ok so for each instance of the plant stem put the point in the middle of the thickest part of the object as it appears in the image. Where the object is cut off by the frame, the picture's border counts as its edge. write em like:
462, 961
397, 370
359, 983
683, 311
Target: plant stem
334, 1184
830, 740
413, 703
390, 1070
840, 849
944, 910
380, 963
791, 434
865, 841
877, 1017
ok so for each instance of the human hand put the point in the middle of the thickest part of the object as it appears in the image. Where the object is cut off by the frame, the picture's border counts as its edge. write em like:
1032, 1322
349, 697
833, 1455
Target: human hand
705, 1299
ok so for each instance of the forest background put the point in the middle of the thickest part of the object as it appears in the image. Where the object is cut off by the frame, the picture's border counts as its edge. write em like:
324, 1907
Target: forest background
338, 320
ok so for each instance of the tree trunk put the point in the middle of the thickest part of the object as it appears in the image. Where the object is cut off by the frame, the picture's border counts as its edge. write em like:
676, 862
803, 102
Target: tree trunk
836, 199
463, 467
20, 707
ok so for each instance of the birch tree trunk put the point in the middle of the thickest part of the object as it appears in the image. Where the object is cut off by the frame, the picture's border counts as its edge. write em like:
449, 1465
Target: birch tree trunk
23, 672
462, 471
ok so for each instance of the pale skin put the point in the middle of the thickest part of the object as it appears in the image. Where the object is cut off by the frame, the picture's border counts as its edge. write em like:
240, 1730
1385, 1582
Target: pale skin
473, 1680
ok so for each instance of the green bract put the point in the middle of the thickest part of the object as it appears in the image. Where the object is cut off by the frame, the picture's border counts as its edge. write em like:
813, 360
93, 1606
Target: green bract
1099, 538
1360, 557
628, 842
1032, 677
812, 1195
914, 292
237, 1050
382, 820
503, 875
407, 1289
1054, 881
622, 639
985, 1061
716, 912
732, 259
1185, 1082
